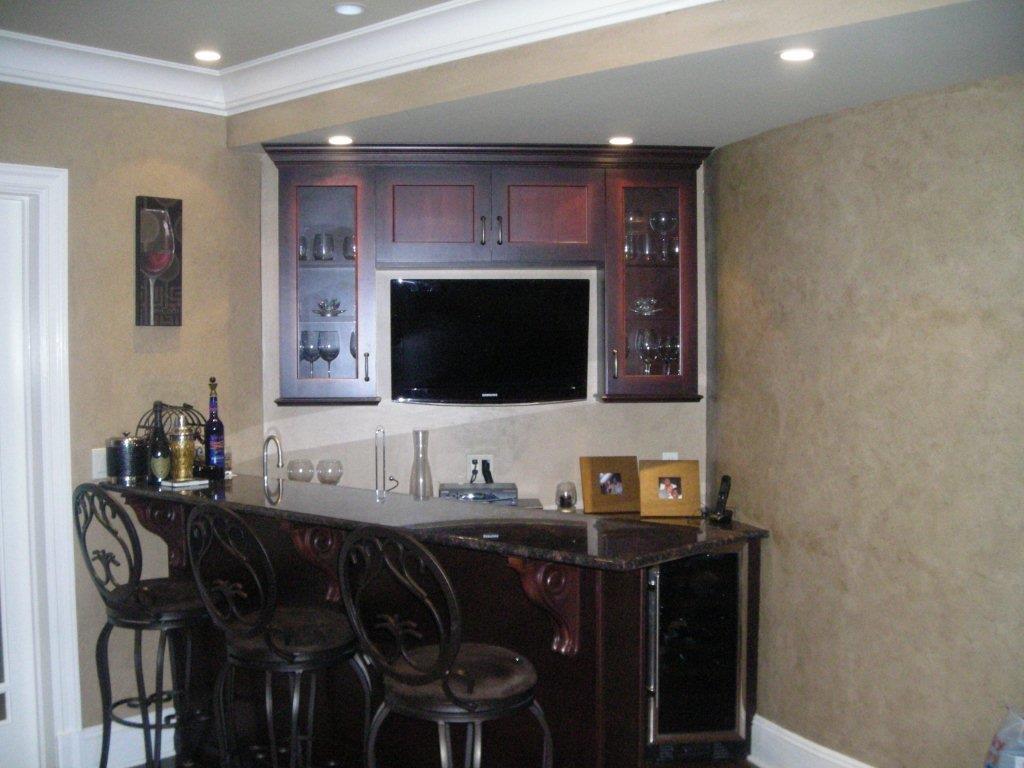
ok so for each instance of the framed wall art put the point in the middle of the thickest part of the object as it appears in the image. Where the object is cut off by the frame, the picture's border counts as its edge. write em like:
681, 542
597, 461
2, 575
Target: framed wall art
610, 484
670, 488
157, 261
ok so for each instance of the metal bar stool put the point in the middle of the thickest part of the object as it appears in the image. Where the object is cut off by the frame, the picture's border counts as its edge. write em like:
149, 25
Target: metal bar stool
168, 606
429, 673
236, 581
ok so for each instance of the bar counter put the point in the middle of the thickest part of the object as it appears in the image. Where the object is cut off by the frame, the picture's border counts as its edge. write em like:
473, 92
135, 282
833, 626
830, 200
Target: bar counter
571, 592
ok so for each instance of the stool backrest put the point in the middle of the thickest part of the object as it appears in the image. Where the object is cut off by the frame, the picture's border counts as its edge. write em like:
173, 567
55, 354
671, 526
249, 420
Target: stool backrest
377, 562
232, 571
109, 544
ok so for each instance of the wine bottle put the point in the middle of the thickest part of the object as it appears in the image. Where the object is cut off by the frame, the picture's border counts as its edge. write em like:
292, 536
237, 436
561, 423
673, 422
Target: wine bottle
213, 438
159, 448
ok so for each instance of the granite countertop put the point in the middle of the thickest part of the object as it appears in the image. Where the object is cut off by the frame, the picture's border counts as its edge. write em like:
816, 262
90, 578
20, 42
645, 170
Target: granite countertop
610, 542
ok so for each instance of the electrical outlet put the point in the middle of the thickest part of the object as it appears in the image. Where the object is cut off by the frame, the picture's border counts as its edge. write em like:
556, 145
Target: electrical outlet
99, 463
479, 458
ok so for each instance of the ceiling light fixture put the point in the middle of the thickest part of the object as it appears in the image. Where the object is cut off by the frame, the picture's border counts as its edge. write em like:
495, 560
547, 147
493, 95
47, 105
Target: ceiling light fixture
340, 140
207, 54
621, 141
349, 9
796, 54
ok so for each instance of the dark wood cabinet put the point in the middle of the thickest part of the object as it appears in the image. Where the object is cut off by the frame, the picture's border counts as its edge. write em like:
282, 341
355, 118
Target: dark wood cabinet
650, 341
435, 214
632, 212
326, 285
547, 215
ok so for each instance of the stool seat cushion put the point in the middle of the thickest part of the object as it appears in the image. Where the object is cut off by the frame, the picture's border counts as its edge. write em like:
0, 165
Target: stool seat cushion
156, 600
306, 635
490, 678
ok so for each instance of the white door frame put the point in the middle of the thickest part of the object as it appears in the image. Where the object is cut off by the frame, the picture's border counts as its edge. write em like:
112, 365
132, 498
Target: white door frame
55, 631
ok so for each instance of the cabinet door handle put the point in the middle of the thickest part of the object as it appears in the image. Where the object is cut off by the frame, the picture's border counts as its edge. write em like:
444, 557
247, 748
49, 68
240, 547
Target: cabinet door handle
366, 366
483, 230
615, 363
501, 237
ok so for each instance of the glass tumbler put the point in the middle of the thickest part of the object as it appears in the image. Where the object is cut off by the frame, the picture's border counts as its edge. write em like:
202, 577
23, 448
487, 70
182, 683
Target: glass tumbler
301, 470
565, 496
329, 471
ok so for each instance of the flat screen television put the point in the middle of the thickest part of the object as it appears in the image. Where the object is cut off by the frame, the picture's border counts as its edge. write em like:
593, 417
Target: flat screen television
489, 341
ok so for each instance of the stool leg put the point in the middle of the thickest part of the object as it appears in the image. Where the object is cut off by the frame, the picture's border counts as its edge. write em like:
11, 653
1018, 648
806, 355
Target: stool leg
474, 744
268, 695
158, 724
358, 664
103, 673
548, 758
310, 712
371, 739
181, 687
294, 745
220, 717
444, 736
140, 684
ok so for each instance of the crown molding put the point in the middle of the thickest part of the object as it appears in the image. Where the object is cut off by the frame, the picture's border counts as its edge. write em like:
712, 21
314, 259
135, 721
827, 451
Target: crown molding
44, 63
436, 35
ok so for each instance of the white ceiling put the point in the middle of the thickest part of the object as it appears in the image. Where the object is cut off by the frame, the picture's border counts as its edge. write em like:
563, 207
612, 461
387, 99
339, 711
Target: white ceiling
172, 30
717, 97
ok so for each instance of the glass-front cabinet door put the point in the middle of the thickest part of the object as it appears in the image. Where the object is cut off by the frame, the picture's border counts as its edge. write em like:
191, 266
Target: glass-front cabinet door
326, 286
651, 286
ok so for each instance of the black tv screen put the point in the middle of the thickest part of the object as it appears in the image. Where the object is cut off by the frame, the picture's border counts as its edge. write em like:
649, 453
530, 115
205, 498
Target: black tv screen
489, 341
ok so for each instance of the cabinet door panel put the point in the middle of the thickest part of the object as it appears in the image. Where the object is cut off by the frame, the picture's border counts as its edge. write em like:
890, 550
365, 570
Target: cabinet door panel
548, 214
650, 289
433, 214
326, 284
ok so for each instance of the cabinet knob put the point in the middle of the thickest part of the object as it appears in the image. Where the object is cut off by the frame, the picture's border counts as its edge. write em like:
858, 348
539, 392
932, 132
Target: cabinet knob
615, 363
366, 366
483, 230
501, 237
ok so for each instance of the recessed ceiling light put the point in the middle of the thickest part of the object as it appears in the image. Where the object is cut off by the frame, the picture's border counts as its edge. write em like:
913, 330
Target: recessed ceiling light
207, 54
349, 9
796, 54
339, 140
621, 141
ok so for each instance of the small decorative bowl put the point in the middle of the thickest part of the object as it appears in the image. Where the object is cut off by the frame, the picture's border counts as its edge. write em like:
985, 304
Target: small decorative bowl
328, 308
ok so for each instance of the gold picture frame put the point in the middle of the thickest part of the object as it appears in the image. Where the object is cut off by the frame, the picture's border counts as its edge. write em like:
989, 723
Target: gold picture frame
610, 484
670, 488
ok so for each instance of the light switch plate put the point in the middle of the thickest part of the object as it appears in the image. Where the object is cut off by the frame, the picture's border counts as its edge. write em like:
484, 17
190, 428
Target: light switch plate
670, 455
99, 463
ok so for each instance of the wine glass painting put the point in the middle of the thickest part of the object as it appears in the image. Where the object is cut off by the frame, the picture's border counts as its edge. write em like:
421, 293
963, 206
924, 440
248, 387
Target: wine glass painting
157, 261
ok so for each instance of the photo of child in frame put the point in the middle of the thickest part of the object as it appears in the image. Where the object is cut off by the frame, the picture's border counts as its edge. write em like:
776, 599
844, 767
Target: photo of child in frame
670, 488
610, 483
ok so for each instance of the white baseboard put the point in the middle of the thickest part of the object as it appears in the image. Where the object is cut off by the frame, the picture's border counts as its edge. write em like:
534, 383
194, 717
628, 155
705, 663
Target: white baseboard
81, 749
772, 746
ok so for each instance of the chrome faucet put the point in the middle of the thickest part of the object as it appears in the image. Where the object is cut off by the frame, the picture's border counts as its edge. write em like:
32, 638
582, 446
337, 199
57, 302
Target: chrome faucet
280, 455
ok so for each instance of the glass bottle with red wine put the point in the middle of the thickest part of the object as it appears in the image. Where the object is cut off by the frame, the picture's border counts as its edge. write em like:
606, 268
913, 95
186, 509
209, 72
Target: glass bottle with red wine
213, 438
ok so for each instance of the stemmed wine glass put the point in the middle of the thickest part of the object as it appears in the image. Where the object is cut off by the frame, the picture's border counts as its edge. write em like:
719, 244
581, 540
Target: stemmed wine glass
308, 349
328, 346
669, 352
664, 223
156, 235
648, 346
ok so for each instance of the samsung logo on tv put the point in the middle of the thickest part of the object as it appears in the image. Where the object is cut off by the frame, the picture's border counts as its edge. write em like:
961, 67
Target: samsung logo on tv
488, 394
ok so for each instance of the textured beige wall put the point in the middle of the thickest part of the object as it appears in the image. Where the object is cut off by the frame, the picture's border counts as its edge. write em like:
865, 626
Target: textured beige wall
115, 150
535, 446
870, 370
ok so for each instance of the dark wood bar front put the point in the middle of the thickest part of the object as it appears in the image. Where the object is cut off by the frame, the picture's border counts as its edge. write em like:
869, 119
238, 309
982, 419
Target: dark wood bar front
572, 593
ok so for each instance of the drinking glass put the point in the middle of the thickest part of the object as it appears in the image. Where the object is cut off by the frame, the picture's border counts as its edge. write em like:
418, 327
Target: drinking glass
669, 352
323, 247
308, 349
303, 249
329, 471
156, 235
664, 223
301, 470
565, 496
328, 346
648, 346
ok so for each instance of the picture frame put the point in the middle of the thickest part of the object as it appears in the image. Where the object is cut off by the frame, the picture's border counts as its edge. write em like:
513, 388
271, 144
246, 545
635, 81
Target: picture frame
158, 261
610, 484
670, 488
